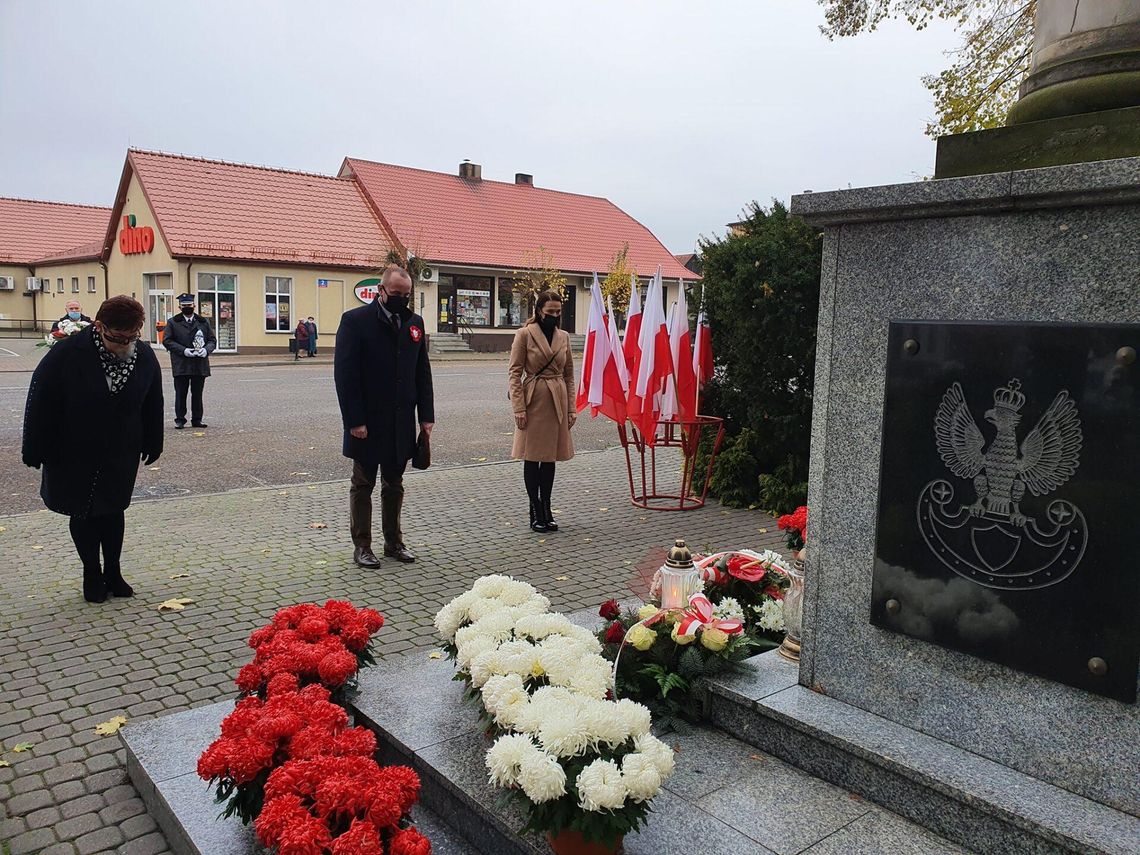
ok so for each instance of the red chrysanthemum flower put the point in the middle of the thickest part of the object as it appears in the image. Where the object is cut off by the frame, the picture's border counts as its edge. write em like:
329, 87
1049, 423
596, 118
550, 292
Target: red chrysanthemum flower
281, 684
336, 668
249, 678
313, 628
408, 841
362, 838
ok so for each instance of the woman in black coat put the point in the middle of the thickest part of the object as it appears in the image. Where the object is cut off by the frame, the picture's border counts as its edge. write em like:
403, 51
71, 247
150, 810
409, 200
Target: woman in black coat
94, 409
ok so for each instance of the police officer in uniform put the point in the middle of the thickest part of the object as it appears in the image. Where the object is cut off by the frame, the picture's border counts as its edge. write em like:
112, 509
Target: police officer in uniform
383, 383
190, 340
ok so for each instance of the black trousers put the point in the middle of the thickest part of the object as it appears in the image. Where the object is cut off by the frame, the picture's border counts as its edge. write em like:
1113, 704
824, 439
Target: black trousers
194, 385
391, 502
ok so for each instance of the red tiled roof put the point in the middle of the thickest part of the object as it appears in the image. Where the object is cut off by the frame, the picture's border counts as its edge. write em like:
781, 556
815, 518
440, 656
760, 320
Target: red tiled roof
30, 230
213, 209
84, 252
684, 257
446, 218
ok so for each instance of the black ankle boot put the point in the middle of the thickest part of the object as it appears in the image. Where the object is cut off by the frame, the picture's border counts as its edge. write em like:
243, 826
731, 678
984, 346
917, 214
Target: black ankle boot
551, 525
94, 589
537, 518
116, 585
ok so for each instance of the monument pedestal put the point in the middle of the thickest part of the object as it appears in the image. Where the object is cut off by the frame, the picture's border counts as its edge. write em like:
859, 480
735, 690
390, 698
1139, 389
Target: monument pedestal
1055, 246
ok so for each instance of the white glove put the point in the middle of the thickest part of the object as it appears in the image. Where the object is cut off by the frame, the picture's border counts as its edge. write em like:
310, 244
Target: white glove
201, 352
189, 351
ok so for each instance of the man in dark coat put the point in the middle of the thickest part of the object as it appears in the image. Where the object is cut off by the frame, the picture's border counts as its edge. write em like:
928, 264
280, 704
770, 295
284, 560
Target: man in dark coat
74, 313
311, 326
94, 409
383, 382
190, 341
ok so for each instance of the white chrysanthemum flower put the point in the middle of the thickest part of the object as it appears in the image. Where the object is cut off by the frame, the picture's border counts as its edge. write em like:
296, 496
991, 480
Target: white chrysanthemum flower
635, 716
565, 731
658, 752
641, 775
486, 664
506, 756
511, 705
541, 777
490, 586
540, 626
585, 638
592, 678
472, 647
729, 609
515, 593
604, 724
530, 718
771, 614
600, 786
484, 606
497, 688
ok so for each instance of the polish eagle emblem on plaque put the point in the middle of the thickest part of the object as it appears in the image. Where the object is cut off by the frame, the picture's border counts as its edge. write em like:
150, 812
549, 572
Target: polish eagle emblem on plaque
993, 541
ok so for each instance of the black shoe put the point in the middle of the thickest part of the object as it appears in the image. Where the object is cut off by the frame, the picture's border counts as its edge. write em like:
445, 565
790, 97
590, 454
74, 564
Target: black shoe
199, 424
551, 525
400, 553
94, 590
537, 519
116, 585
178, 425
365, 557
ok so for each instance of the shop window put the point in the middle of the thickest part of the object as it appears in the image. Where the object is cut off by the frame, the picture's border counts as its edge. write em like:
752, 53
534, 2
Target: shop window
217, 303
59, 285
514, 307
278, 292
473, 300
90, 284
74, 284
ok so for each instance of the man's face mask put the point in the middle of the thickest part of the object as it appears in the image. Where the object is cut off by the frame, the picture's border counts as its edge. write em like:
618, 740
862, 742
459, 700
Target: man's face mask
395, 302
187, 310
74, 315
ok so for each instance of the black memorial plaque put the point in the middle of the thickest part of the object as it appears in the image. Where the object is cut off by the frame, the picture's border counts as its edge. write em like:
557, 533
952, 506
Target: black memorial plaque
1009, 497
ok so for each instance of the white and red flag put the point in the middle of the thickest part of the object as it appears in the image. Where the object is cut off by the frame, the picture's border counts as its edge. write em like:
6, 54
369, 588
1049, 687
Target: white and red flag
600, 386
702, 350
653, 366
632, 325
680, 346
616, 349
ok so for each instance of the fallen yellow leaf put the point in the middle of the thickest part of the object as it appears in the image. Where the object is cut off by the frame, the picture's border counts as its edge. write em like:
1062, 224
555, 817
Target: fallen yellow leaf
310, 487
318, 525
199, 433
107, 728
561, 578
283, 493
298, 473
556, 511
4, 764
176, 604
542, 540
3, 528
154, 468
180, 576
763, 531
37, 547
21, 747
320, 562
603, 509
435, 654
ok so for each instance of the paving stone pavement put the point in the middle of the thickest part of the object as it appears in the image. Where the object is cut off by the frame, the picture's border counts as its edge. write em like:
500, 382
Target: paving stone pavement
66, 665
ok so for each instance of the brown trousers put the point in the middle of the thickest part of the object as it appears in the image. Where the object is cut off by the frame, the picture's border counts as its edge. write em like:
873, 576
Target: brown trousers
360, 504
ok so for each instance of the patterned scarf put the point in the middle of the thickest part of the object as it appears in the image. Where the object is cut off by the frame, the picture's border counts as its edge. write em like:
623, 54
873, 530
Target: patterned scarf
118, 371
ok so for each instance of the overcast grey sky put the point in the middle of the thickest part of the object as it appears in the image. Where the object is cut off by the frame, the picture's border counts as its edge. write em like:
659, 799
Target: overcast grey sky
679, 112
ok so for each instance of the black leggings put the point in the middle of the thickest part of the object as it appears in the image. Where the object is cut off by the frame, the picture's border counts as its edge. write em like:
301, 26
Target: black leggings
539, 479
89, 533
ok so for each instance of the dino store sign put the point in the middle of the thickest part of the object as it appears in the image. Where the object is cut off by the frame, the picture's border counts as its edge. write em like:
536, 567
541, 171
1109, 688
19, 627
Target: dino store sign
1009, 478
135, 240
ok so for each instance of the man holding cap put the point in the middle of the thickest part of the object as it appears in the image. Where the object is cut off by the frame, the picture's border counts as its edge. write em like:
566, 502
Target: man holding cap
74, 313
190, 341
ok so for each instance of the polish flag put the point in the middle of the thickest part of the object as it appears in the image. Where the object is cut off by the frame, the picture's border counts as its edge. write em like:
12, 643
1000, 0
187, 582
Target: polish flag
702, 351
600, 386
616, 350
680, 347
632, 326
653, 365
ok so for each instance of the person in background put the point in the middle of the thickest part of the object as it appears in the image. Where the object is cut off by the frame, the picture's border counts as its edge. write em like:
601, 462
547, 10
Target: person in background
542, 402
312, 327
74, 313
190, 340
94, 409
301, 336
383, 384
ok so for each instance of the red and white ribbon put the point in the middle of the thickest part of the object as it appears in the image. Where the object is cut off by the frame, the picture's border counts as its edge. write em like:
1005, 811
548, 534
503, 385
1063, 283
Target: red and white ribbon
699, 615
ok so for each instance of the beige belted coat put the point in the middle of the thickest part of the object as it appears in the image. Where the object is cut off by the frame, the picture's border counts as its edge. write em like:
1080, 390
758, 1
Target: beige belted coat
547, 399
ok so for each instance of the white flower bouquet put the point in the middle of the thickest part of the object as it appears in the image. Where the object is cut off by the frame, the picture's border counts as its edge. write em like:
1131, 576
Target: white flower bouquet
64, 329
579, 761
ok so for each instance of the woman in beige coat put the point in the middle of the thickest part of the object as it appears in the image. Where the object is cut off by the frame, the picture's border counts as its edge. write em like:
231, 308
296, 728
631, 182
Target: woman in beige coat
541, 385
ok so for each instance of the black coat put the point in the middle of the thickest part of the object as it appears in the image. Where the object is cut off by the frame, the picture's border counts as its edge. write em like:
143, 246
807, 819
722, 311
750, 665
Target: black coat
89, 441
178, 336
383, 380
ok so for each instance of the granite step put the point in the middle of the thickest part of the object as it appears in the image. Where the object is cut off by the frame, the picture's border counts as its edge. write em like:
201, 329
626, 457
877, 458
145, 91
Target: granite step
162, 755
956, 794
723, 793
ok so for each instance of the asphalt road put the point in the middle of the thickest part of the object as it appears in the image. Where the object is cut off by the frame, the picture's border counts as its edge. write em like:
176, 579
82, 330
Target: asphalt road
281, 426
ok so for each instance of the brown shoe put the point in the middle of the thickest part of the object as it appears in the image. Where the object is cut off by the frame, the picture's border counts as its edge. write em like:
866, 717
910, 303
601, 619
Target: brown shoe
365, 557
400, 553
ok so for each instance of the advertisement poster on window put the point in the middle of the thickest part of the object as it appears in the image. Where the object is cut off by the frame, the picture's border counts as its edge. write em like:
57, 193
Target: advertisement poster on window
271, 312
206, 309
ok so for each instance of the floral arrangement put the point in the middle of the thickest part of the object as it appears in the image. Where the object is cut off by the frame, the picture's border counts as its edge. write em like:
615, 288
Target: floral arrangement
795, 525
660, 654
577, 760
287, 759
318, 644
64, 328
751, 585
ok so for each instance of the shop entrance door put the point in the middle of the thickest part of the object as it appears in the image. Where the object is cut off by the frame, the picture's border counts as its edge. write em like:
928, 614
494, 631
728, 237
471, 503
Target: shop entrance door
160, 303
446, 301
569, 319
330, 306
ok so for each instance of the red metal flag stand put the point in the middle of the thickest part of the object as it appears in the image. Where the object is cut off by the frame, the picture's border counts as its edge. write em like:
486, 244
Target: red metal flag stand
641, 456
